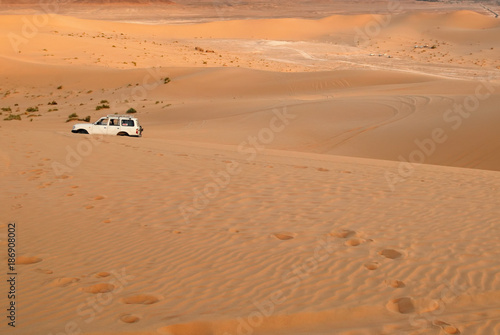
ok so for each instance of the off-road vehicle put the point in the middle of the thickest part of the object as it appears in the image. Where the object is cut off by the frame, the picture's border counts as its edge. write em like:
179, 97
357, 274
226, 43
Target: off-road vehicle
121, 125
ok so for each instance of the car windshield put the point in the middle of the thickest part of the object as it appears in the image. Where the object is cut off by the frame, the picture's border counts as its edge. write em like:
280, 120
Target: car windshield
102, 122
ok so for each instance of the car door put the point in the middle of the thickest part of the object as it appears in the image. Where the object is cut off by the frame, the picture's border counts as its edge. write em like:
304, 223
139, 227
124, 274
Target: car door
101, 126
113, 126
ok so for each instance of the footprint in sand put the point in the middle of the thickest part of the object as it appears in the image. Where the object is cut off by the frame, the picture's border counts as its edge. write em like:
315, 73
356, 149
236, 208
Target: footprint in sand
89, 207
322, 169
27, 260
395, 283
446, 327
102, 274
371, 265
98, 288
141, 299
354, 242
402, 305
390, 253
284, 236
99, 197
129, 318
344, 233
44, 185
47, 272
63, 282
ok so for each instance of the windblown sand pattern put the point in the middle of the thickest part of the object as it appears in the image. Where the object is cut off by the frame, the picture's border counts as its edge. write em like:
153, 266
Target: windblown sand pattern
292, 177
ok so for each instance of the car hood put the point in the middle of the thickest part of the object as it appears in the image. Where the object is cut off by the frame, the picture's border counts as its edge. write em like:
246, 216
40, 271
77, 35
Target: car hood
82, 125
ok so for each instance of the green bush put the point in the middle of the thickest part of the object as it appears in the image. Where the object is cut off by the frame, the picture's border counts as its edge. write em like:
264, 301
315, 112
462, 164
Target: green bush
13, 117
32, 109
166, 80
86, 119
6, 109
73, 115
101, 107
131, 111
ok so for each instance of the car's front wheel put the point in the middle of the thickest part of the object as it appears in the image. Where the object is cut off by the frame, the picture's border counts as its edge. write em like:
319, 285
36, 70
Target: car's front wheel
122, 133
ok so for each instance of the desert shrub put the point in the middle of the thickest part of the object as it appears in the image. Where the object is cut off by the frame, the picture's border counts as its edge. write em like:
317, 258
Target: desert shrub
32, 109
101, 107
72, 117
13, 117
131, 111
104, 102
166, 80
86, 119
52, 103
59, 87
6, 109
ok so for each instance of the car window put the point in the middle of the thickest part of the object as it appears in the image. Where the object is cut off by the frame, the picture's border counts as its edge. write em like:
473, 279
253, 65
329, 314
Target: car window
102, 122
127, 123
114, 122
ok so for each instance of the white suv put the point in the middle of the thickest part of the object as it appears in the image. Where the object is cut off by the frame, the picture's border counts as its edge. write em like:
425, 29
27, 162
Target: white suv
121, 125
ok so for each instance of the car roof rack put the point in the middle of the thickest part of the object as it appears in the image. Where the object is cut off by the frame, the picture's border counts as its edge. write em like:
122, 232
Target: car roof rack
116, 115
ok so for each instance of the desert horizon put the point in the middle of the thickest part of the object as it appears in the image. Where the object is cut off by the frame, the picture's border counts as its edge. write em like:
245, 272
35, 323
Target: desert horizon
314, 167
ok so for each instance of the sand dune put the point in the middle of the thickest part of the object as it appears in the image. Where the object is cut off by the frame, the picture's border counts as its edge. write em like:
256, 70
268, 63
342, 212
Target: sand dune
292, 178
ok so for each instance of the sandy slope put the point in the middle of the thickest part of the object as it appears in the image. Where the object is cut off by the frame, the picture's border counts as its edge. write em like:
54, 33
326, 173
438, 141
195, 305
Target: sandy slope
271, 192
431, 242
